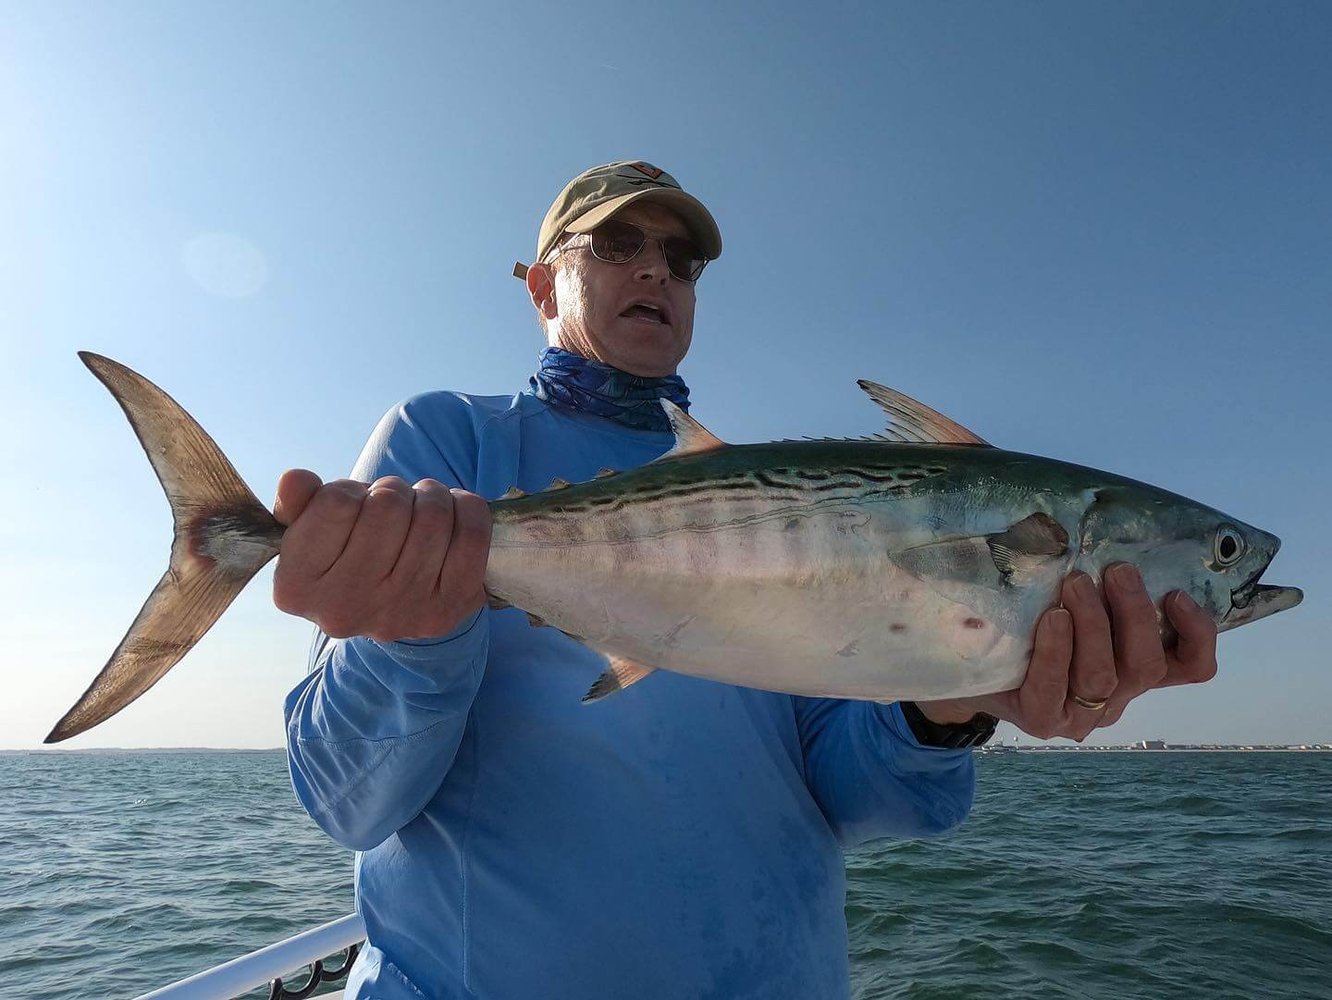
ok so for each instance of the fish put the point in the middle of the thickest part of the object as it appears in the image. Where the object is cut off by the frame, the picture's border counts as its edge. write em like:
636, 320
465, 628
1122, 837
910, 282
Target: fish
911, 564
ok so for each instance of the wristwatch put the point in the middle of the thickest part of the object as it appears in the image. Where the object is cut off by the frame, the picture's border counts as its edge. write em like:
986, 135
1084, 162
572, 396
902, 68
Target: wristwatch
975, 732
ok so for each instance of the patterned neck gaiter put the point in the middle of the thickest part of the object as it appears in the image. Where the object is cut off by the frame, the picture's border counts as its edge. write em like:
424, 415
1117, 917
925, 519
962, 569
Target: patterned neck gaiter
567, 379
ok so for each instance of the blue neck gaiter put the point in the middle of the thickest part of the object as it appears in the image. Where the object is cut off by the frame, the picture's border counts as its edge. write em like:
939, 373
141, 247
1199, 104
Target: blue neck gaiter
568, 379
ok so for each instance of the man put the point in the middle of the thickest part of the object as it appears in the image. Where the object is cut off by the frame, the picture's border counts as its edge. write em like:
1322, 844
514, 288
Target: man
684, 840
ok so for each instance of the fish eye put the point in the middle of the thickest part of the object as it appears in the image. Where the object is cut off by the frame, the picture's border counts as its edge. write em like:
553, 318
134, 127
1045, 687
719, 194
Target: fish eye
1228, 546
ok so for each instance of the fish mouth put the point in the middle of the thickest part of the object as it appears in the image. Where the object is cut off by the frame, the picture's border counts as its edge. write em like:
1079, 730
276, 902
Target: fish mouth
1255, 600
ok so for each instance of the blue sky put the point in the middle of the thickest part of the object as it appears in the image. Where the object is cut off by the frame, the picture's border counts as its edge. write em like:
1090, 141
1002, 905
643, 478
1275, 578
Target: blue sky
1098, 232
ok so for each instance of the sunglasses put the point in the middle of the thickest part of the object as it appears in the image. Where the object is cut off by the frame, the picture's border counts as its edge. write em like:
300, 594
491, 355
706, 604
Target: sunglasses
618, 242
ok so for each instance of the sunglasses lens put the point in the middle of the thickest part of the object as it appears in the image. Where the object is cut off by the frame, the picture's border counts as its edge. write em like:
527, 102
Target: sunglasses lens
616, 242
684, 259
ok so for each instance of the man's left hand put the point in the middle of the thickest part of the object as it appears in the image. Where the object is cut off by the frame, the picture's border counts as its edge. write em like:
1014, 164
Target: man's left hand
1086, 653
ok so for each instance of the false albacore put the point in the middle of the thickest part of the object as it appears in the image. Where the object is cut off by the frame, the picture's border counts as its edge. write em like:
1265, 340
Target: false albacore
910, 565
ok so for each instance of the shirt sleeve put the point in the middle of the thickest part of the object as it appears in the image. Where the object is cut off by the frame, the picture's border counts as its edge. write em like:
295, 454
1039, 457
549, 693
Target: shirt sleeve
374, 728
872, 778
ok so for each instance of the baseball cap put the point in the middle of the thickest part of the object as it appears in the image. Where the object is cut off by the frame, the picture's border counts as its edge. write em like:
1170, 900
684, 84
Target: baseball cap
597, 194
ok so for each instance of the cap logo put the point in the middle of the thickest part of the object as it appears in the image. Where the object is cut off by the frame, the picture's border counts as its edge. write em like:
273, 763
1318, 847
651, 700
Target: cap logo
648, 170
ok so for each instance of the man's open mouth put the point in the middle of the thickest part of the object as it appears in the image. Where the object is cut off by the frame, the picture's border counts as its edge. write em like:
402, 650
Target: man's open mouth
646, 311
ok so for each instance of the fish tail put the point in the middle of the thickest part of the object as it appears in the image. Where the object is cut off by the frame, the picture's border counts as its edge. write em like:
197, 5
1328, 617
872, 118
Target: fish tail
223, 536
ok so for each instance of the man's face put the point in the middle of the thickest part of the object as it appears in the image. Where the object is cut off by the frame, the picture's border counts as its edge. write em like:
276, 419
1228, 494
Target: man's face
599, 306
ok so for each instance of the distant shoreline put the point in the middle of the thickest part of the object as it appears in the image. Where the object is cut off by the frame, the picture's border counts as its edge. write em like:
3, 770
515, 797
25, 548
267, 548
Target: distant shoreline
1151, 750
73, 750
999, 749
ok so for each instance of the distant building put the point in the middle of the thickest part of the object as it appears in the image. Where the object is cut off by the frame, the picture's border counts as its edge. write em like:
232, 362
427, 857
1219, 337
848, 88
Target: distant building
1151, 744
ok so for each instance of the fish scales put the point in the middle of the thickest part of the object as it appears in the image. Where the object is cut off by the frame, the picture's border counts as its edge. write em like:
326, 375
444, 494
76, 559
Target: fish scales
788, 566
872, 569
771, 566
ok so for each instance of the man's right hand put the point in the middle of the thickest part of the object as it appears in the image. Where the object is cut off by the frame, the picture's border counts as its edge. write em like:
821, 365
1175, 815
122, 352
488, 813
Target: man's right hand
384, 560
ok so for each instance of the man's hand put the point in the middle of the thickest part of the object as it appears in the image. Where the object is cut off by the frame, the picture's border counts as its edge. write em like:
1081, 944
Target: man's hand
384, 560
1080, 660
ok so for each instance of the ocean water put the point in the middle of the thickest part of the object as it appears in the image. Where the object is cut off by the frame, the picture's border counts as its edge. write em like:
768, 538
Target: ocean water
1119, 875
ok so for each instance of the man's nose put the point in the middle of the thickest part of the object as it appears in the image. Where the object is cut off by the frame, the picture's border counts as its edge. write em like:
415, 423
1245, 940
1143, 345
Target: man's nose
650, 264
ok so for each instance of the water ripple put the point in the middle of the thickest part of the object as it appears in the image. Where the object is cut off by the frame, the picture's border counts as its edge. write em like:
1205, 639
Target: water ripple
1133, 876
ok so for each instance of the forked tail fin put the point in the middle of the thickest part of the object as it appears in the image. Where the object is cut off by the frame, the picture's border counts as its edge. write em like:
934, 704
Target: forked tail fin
223, 536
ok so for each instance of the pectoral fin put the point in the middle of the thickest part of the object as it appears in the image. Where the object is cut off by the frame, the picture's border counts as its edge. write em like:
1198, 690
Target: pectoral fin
618, 676
1013, 557
966, 561
1027, 546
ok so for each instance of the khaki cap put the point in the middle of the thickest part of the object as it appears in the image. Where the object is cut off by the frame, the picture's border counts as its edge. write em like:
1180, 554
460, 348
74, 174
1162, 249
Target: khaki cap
597, 194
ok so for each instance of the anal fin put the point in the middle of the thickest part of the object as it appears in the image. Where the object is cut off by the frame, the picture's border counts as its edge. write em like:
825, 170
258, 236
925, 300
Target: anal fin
619, 675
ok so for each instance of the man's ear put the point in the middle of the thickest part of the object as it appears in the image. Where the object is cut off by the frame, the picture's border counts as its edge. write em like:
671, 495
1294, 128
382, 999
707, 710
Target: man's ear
541, 287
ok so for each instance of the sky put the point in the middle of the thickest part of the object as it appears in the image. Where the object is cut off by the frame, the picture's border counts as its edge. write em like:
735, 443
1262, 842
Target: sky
1097, 232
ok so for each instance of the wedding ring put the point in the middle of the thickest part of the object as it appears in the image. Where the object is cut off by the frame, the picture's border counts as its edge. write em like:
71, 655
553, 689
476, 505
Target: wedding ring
1093, 706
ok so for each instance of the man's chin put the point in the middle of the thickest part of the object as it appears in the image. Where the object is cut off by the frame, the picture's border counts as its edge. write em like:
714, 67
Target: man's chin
646, 353
644, 370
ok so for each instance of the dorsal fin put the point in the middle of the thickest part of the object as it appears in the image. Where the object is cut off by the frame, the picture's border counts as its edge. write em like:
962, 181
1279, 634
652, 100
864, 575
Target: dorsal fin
912, 422
691, 437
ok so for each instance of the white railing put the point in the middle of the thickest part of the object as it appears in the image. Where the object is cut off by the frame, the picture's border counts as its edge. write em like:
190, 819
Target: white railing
261, 967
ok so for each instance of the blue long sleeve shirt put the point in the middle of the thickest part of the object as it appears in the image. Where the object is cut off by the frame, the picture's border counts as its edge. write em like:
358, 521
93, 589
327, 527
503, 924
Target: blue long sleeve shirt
680, 839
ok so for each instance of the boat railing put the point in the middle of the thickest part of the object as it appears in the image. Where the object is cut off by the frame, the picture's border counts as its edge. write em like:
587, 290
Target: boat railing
268, 966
